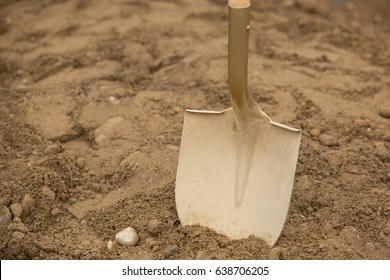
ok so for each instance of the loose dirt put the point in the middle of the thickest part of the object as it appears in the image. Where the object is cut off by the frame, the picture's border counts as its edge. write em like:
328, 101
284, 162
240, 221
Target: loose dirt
92, 99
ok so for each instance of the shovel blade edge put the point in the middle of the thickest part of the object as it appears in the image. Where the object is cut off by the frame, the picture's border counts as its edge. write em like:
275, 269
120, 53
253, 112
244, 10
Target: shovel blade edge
206, 175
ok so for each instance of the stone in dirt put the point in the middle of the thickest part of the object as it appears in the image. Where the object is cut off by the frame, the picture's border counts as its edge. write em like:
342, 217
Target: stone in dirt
5, 217
127, 237
110, 245
171, 250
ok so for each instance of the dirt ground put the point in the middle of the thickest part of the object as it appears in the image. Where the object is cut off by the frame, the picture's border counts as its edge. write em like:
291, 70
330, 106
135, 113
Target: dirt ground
92, 99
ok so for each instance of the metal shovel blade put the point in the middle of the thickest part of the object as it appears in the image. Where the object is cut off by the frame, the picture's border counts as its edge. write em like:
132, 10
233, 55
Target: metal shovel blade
207, 173
236, 167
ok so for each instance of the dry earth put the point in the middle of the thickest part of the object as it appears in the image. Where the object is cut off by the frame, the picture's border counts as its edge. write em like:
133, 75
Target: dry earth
92, 99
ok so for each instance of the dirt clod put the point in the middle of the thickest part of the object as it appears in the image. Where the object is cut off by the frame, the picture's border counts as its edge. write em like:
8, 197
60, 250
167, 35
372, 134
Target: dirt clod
385, 112
328, 140
16, 210
18, 227
53, 149
28, 204
5, 217
154, 227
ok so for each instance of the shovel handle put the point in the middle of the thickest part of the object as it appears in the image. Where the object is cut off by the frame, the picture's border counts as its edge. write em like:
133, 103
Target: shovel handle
244, 106
239, 4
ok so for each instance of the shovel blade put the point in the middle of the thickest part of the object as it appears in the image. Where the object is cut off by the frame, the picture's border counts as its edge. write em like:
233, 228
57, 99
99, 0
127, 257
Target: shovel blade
206, 177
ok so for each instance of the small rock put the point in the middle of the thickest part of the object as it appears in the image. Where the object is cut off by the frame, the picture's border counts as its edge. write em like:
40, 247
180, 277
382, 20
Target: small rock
127, 237
171, 250
48, 193
113, 100
16, 210
5, 217
55, 212
370, 246
385, 112
110, 246
18, 227
388, 176
275, 253
80, 163
315, 132
327, 140
18, 235
28, 204
53, 149
17, 220
154, 227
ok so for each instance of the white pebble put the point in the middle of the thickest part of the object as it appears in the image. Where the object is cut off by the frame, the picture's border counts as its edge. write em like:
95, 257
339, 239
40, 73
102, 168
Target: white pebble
114, 100
127, 237
110, 245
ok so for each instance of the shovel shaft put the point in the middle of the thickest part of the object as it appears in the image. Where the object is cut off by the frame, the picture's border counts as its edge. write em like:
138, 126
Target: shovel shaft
244, 106
239, 3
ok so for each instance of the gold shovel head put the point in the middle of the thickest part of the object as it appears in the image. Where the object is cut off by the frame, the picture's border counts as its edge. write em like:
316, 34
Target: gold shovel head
206, 177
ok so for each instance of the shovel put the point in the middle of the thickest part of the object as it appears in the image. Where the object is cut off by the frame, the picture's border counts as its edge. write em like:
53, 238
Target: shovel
236, 167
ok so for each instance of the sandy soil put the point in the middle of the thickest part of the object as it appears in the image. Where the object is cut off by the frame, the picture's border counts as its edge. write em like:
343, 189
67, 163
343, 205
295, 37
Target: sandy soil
92, 99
